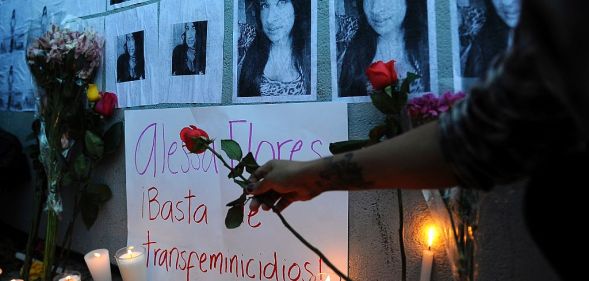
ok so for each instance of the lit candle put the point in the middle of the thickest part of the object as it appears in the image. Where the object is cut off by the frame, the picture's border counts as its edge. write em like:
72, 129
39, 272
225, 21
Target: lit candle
428, 256
132, 263
99, 264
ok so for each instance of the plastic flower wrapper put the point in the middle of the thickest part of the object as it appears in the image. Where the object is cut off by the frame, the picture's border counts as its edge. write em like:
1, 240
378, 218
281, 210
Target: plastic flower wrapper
70, 130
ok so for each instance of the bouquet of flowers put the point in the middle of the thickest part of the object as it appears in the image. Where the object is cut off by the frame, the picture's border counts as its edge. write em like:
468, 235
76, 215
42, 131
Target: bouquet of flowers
70, 131
454, 209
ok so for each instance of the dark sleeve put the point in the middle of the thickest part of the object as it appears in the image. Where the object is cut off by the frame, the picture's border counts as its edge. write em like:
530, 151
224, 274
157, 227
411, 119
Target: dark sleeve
533, 105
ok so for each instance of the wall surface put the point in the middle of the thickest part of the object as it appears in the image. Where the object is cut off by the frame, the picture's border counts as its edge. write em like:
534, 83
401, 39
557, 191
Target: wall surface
506, 251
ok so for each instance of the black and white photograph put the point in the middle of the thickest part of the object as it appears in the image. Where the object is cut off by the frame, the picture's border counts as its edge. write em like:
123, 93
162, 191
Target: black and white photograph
132, 55
16, 88
130, 60
115, 4
189, 56
275, 50
13, 28
44, 14
483, 29
191, 35
367, 31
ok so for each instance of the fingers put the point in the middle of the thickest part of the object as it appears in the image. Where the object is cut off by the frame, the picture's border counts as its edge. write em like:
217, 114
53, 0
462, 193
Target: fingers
266, 201
257, 184
284, 202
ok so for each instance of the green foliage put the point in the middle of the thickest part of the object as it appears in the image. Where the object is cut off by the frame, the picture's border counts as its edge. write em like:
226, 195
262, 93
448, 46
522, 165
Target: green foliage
346, 146
113, 137
234, 216
91, 201
232, 149
94, 145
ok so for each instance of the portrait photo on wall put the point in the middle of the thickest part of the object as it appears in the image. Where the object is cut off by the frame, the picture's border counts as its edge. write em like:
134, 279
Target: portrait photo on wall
275, 50
115, 4
483, 30
366, 31
189, 56
16, 89
13, 29
130, 60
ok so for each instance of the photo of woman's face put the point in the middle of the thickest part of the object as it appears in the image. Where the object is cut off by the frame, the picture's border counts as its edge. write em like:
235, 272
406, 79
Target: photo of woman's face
277, 17
383, 15
130, 44
190, 34
508, 11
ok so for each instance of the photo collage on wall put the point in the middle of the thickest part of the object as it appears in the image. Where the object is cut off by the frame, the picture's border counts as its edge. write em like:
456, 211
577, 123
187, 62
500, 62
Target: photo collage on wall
169, 51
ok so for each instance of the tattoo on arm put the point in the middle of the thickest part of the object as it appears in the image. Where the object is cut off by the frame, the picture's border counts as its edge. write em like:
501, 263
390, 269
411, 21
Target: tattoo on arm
343, 173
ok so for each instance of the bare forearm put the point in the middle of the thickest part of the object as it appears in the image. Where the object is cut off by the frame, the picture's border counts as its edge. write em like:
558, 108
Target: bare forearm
413, 160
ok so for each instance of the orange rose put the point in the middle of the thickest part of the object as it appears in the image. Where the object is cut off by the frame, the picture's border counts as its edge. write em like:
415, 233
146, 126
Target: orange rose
382, 74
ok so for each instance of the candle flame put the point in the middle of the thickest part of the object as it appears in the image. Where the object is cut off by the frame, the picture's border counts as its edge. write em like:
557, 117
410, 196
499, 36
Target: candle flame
97, 255
431, 235
69, 278
328, 278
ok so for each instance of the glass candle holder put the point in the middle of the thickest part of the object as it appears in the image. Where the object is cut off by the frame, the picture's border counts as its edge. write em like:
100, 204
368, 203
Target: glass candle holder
98, 262
68, 276
132, 263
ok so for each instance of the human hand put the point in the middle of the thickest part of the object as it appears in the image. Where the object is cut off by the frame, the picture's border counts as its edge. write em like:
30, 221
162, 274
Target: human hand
279, 183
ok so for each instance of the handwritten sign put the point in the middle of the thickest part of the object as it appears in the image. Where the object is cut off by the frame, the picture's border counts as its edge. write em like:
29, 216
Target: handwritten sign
176, 200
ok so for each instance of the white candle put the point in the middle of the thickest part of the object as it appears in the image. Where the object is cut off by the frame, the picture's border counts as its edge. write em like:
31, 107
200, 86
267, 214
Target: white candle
426, 265
428, 256
99, 264
132, 263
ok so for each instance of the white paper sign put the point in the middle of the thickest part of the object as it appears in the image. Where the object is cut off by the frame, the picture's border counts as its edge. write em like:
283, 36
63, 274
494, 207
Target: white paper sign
176, 201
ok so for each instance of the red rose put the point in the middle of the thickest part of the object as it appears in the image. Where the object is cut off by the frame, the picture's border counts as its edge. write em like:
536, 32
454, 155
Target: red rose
382, 74
196, 139
106, 105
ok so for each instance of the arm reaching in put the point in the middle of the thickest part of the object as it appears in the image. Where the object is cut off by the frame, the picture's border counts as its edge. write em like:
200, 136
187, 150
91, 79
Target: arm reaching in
412, 160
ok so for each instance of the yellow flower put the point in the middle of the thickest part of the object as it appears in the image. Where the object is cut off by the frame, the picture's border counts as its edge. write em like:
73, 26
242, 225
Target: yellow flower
36, 271
92, 93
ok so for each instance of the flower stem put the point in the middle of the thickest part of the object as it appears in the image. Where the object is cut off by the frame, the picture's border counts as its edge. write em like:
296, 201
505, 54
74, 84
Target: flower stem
288, 226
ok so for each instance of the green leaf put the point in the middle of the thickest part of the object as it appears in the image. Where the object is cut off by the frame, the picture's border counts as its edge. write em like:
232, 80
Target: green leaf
250, 163
234, 217
345, 146
89, 210
241, 183
113, 137
232, 149
377, 133
94, 145
100, 193
383, 102
238, 202
237, 171
82, 167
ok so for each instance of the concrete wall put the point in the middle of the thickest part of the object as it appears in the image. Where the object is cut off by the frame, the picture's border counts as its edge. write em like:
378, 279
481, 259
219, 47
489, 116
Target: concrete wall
506, 251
